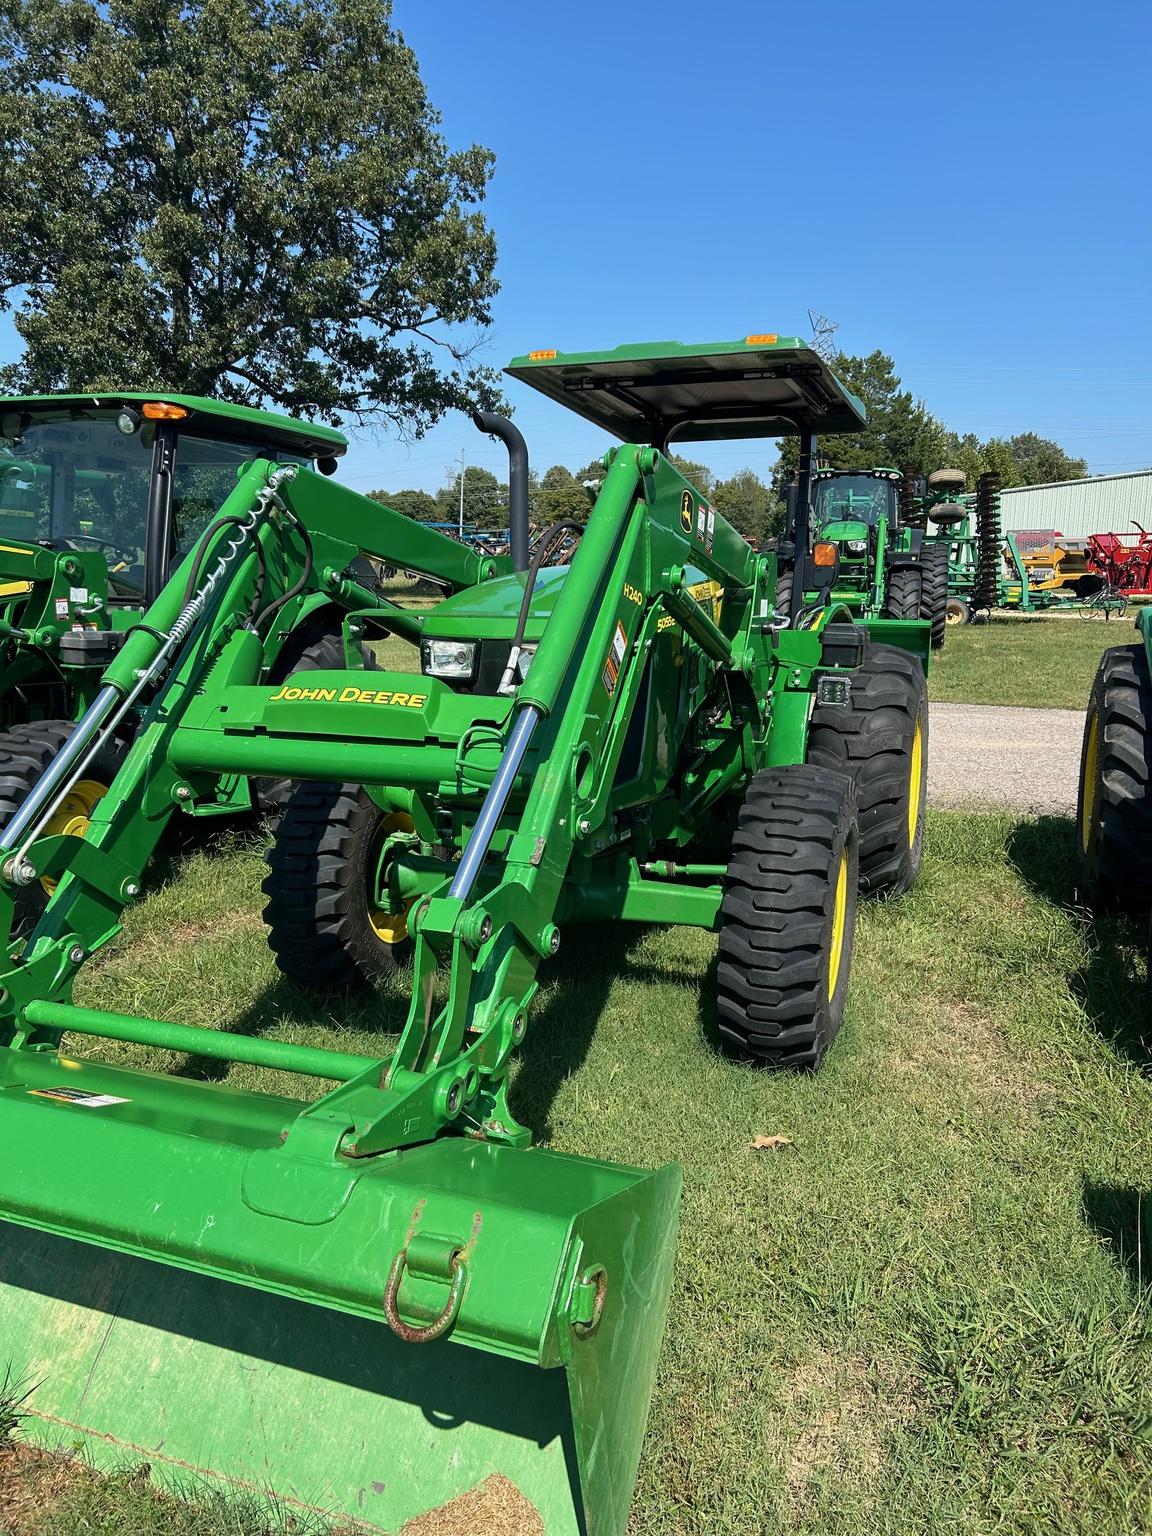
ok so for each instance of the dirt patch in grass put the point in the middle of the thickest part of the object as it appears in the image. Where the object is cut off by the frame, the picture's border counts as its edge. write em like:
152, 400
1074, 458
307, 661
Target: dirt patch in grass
961, 1045
840, 1408
33, 1484
221, 927
495, 1507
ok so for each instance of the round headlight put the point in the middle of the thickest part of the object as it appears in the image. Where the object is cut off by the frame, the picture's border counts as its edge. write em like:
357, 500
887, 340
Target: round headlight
128, 420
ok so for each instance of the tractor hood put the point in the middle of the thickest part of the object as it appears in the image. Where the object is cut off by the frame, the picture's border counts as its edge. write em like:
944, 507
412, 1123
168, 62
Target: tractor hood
489, 611
841, 531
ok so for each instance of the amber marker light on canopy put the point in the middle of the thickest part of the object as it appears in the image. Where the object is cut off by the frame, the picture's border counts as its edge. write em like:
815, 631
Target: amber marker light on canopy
824, 554
763, 339
542, 356
160, 410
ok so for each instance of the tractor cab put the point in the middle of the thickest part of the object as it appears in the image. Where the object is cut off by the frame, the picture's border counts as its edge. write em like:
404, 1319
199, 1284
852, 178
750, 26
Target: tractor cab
133, 478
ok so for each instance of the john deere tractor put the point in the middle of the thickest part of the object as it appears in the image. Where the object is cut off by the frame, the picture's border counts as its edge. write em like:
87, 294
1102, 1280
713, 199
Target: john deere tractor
886, 568
376, 1300
101, 499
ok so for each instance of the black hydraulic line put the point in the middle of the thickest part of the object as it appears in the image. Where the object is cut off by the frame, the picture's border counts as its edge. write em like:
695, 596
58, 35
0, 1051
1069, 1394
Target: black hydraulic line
513, 439
297, 586
543, 548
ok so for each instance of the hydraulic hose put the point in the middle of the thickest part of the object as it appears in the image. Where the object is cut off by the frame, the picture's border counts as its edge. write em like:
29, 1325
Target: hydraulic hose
543, 549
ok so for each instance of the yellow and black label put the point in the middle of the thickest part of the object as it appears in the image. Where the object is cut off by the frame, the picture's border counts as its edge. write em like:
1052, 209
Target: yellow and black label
706, 592
687, 509
289, 694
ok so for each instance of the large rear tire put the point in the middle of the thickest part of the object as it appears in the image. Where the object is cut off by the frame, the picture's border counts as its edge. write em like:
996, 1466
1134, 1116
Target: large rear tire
788, 917
1114, 806
324, 926
880, 738
904, 593
25, 752
934, 591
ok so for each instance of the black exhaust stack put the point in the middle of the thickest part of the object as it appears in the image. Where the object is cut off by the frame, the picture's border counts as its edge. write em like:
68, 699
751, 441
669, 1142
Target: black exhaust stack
513, 439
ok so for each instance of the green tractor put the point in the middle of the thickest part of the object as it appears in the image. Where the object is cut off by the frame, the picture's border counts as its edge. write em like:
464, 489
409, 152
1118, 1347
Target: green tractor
885, 566
377, 1300
101, 499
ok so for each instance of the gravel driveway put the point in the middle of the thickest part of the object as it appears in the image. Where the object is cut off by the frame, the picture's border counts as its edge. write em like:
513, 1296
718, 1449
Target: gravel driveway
984, 755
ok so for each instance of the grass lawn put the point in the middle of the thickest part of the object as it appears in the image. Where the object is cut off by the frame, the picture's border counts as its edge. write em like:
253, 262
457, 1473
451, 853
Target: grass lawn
927, 1314
1020, 659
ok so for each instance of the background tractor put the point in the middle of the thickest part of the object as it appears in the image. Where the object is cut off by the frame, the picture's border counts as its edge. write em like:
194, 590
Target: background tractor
377, 1301
886, 568
101, 499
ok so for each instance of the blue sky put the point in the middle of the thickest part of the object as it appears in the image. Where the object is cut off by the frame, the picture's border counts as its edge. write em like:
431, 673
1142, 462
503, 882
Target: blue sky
963, 186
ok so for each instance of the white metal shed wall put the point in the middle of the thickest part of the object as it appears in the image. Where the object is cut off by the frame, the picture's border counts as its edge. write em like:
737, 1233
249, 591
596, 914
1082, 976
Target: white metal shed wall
1102, 504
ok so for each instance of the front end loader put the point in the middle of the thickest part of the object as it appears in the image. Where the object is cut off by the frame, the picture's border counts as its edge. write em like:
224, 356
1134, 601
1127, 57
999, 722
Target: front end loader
382, 1303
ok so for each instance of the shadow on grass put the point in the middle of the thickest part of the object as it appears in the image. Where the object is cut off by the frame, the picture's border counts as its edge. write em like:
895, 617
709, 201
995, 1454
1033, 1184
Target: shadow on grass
1119, 1217
1112, 987
1043, 853
560, 1032
379, 1012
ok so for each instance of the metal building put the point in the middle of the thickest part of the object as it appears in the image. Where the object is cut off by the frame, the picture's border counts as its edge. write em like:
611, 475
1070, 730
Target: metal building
1100, 504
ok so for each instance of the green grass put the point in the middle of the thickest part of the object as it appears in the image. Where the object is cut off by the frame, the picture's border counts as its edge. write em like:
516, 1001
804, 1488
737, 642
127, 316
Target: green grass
1022, 659
929, 1314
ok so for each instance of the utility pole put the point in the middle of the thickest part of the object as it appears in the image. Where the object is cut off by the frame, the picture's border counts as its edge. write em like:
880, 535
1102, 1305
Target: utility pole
462, 495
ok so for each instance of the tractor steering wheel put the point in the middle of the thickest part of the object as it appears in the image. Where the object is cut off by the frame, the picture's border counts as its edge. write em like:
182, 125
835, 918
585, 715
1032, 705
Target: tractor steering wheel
128, 556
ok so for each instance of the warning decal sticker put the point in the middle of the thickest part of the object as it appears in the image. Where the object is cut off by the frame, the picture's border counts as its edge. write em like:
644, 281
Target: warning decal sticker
615, 659
77, 1096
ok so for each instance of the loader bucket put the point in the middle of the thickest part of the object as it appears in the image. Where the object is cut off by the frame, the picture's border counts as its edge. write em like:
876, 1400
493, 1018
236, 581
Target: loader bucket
175, 1290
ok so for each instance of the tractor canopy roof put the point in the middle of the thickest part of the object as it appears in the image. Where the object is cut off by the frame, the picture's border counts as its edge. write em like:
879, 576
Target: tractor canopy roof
215, 417
763, 386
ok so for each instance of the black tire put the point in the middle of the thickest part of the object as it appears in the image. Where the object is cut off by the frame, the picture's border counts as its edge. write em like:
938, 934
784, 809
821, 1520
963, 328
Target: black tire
319, 915
308, 649
934, 591
25, 752
1114, 805
957, 612
790, 885
874, 739
903, 596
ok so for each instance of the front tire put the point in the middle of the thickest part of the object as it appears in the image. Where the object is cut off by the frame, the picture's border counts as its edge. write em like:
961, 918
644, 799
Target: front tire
934, 590
904, 593
25, 752
881, 739
324, 926
788, 917
1114, 804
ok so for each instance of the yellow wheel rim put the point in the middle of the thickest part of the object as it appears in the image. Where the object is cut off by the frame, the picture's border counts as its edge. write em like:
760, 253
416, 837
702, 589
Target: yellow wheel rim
389, 927
916, 773
72, 816
839, 924
952, 616
1088, 773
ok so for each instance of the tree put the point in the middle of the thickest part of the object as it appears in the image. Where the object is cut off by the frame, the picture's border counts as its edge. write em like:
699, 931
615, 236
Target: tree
245, 198
561, 497
1038, 460
485, 499
748, 505
415, 504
